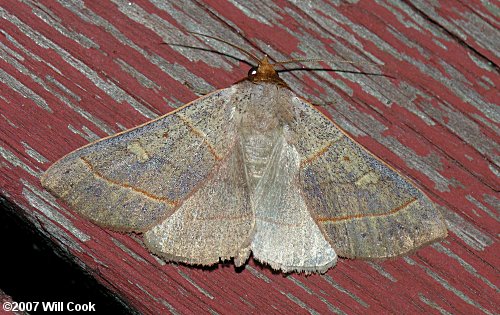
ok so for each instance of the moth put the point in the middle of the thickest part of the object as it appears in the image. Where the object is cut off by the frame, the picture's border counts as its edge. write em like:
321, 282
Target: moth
251, 168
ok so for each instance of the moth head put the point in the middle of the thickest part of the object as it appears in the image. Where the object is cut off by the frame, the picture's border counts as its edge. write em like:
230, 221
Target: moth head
264, 72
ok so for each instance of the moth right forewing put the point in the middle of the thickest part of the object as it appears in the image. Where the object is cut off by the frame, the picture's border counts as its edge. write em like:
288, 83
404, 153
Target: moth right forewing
364, 207
130, 181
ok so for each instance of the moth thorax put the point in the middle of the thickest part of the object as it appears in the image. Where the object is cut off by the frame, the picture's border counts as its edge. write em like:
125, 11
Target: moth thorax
257, 148
260, 120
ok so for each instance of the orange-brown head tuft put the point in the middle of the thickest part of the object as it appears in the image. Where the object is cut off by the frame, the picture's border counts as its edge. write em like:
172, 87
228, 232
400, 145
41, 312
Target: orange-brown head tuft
264, 72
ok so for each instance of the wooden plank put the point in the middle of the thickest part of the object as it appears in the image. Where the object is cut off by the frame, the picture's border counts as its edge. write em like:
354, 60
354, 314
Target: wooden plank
75, 71
8, 305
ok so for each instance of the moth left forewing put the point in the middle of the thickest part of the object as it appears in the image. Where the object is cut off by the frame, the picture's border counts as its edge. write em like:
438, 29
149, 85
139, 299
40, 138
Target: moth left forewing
132, 180
364, 208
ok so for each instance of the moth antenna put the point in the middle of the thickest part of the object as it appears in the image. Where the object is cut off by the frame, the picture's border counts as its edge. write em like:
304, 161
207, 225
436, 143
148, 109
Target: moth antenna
249, 54
325, 60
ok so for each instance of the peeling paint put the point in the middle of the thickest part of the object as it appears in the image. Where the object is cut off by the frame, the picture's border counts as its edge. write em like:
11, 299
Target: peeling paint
15, 161
52, 213
331, 307
109, 88
22, 89
381, 271
466, 231
297, 301
345, 291
45, 14
455, 291
433, 304
257, 273
33, 154
299, 284
85, 114
87, 134
127, 250
188, 279
483, 207
141, 78
440, 248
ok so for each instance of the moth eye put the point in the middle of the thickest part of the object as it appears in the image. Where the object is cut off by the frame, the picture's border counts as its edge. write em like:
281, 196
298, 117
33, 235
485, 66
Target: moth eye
252, 71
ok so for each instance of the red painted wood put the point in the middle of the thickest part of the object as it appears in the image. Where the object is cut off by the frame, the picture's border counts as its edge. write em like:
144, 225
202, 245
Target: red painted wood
67, 78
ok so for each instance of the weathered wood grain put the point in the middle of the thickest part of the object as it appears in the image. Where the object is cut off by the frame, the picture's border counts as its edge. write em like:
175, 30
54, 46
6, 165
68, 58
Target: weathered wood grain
8, 304
74, 71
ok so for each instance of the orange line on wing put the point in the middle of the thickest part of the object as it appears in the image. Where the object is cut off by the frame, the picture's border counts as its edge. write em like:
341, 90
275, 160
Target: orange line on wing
137, 190
360, 216
319, 153
200, 134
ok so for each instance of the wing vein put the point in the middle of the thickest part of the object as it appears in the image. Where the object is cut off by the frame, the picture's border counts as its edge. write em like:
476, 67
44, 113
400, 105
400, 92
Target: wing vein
200, 134
319, 152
